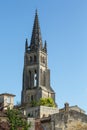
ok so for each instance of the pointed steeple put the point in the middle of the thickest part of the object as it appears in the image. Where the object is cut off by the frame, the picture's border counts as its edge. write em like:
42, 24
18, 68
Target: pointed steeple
36, 40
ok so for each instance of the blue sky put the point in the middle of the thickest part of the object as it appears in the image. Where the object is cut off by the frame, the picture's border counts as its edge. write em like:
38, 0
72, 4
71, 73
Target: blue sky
64, 26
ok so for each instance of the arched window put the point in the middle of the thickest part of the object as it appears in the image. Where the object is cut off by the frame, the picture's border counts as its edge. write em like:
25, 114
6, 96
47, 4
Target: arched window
29, 79
35, 78
32, 97
40, 76
35, 58
31, 59
43, 78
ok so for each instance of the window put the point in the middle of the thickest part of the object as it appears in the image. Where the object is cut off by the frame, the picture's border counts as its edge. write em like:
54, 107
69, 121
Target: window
35, 79
8, 100
32, 97
29, 79
35, 58
43, 78
30, 59
1, 99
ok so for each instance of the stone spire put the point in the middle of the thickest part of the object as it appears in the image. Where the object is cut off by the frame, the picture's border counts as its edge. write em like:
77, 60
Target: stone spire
36, 40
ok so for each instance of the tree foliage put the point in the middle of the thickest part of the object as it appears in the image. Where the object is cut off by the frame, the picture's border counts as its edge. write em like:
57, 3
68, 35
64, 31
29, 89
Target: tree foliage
16, 120
47, 102
44, 102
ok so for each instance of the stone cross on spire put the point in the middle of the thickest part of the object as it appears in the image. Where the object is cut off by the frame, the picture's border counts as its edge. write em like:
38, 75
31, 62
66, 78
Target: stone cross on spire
36, 40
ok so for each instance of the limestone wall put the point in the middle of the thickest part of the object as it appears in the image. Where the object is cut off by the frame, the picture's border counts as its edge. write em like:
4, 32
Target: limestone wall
46, 111
67, 120
32, 121
41, 111
61, 121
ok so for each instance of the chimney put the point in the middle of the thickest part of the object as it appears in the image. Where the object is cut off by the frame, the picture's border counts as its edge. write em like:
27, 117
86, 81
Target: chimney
66, 107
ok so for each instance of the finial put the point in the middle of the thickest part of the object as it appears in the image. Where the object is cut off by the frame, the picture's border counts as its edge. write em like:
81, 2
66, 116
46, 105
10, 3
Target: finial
36, 12
45, 46
26, 45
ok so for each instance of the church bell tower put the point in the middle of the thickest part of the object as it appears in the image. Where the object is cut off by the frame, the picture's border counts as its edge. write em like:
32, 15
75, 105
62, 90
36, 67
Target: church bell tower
36, 75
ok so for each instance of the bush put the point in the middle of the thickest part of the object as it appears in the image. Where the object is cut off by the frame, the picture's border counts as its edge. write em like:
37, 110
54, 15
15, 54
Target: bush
44, 102
47, 102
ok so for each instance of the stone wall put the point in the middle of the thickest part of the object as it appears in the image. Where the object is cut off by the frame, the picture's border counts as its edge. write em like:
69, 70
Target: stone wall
60, 121
46, 111
63, 121
32, 121
66, 120
40, 111
43, 123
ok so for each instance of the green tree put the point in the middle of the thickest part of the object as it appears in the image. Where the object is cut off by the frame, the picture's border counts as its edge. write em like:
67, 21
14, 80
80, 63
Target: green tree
16, 120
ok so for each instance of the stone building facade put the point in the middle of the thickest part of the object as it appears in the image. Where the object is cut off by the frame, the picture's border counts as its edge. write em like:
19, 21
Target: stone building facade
6, 100
40, 111
67, 119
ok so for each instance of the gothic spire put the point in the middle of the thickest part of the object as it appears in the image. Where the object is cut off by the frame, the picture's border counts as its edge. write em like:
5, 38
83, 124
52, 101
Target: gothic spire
36, 40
